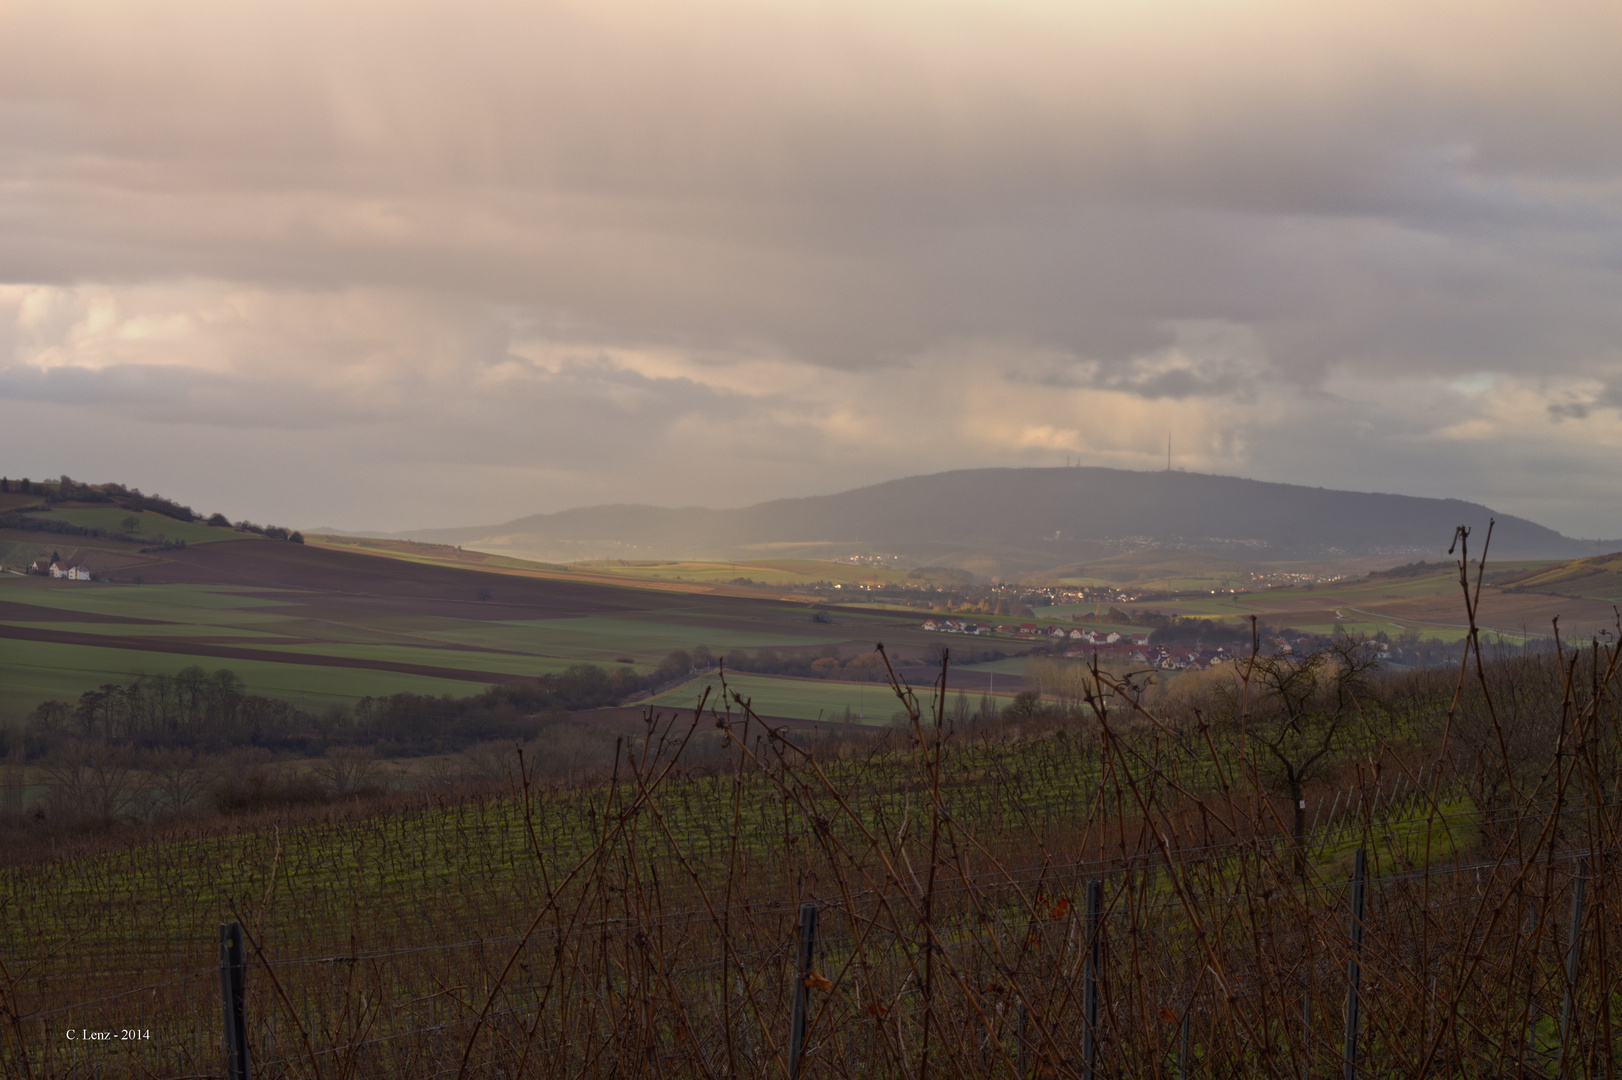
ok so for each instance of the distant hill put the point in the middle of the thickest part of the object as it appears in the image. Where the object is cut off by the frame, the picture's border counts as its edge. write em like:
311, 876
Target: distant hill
1023, 520
1596, 578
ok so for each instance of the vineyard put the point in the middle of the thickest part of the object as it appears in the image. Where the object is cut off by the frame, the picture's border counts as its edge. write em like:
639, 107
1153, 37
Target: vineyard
1312, 869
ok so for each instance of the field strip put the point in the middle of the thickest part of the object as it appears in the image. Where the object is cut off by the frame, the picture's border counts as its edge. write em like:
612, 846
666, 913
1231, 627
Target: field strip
21, 611
228, 652
619, 581
807, 700
1518, 635
431, 642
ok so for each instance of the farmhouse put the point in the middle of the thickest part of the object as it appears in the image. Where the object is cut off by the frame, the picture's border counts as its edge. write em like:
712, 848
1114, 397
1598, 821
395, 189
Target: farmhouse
953, 626
60, 570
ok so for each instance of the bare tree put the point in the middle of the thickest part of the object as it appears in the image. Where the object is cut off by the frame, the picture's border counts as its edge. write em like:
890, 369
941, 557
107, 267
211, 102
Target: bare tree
178, 776
490, 761
441, 771
1305, 714
348, 768
94, 780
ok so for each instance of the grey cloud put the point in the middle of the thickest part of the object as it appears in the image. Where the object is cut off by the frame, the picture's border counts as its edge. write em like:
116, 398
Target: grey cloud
1150, 383
169, 395
1381, 190
125, 385
1581, 405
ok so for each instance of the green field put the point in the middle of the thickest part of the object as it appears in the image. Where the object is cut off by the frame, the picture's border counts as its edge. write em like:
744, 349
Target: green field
212, 604
36, 671
111, 519
190, 631
763, 572
811, 699
497, 662
1237, 606
606, 638
1012, 666
453, 633
772, 572
1598, 578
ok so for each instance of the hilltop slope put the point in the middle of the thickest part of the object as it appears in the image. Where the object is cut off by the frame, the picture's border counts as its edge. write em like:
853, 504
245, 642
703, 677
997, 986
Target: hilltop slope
1598, 577
1024, 519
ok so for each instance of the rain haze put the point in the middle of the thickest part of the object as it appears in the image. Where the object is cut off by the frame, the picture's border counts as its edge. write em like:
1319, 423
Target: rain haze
393, 266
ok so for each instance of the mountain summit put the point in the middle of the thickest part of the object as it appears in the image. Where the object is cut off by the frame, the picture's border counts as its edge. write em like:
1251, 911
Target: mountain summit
1028, 519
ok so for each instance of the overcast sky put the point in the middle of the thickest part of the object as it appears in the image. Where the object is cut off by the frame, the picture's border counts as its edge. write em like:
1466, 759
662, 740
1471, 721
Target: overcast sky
399, 264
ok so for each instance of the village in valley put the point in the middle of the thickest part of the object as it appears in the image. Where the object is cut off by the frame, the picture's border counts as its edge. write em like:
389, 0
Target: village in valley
1107, 645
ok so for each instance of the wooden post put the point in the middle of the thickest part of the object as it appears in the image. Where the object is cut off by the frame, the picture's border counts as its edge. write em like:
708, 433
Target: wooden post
1089, 1001
1574, 947
1354, 969
808, 948
232, 968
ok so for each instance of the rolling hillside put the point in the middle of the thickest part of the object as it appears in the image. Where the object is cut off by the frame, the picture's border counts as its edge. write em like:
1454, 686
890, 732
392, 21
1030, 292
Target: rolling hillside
319, 625
1595, 578
1019, 520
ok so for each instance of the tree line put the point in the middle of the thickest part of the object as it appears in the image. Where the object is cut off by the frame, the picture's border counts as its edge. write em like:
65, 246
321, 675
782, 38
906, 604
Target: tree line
215, 711
66, 489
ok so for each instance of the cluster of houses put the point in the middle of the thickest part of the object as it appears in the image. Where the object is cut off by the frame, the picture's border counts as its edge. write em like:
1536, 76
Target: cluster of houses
955, 626
59, 569
1033, 631
1110, 644
1165, 658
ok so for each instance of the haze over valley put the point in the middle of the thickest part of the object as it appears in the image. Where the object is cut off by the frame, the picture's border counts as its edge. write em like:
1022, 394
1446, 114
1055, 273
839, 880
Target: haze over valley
1008, 523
